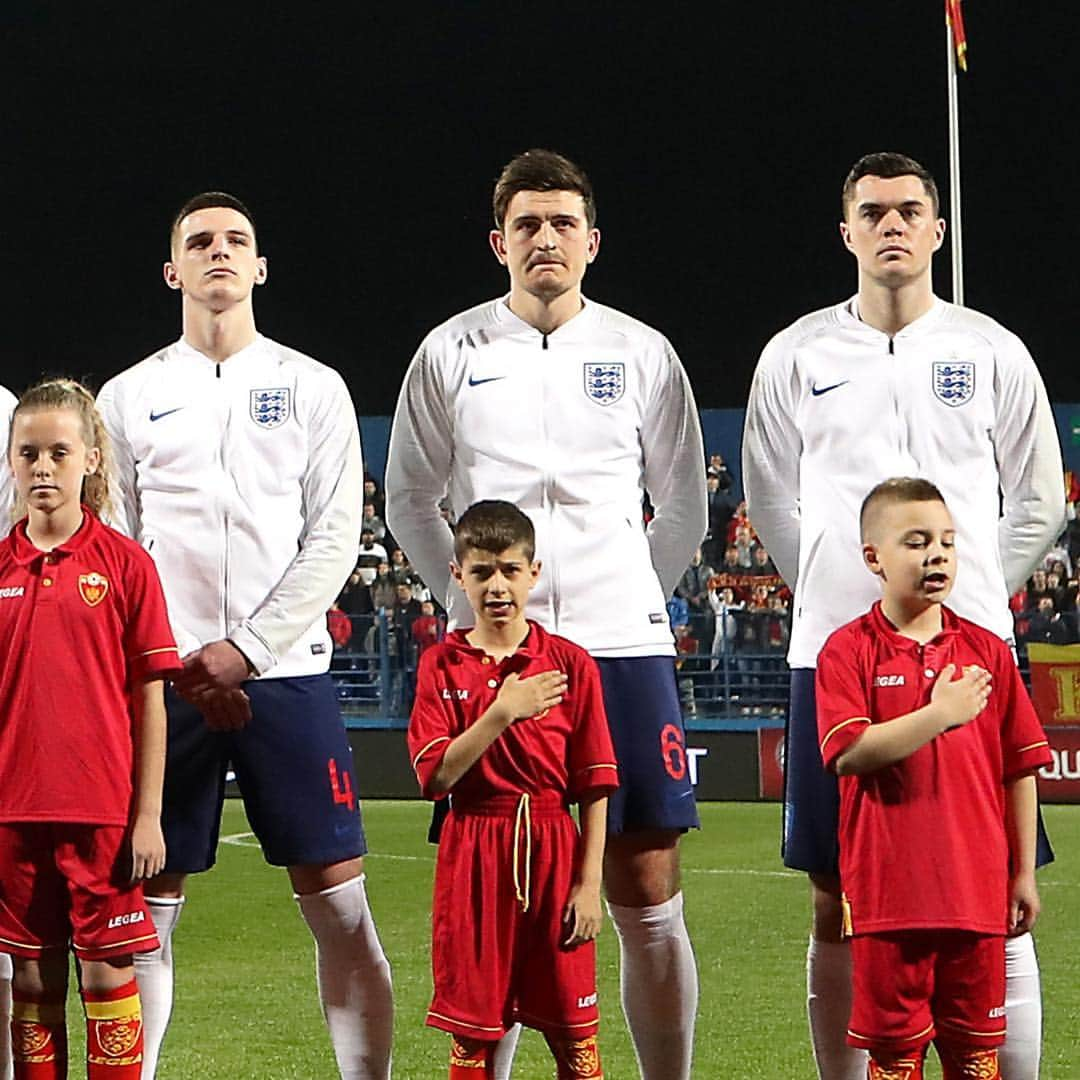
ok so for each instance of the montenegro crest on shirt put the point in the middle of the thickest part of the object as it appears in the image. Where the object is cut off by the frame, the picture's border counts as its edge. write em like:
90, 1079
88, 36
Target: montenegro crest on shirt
93, 588
270, 408
605, 383
954, 381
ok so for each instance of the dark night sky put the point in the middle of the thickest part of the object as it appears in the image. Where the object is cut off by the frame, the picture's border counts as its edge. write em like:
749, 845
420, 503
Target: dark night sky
367, 143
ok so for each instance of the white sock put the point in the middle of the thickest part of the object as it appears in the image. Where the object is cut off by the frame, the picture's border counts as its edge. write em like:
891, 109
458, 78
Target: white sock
1019, 1057
659, 986
502, 1057
5, 1017
828, 1004
354, 979
154, 974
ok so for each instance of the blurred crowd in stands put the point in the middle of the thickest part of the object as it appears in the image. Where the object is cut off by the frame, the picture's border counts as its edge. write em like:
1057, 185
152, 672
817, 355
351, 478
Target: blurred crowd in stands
730, 613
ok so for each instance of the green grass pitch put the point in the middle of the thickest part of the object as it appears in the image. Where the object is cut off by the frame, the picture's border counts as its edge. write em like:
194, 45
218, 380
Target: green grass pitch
245, 998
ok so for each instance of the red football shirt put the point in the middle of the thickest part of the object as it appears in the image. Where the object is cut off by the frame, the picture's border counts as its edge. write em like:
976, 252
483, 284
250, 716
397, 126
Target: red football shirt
566, 750
78, 626
922, 842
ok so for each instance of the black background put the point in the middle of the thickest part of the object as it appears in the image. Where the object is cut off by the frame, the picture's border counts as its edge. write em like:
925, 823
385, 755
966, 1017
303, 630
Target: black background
366, 140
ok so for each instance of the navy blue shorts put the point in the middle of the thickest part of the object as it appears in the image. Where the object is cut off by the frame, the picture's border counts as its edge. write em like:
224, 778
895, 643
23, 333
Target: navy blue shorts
293, 766
812, 795
642, 704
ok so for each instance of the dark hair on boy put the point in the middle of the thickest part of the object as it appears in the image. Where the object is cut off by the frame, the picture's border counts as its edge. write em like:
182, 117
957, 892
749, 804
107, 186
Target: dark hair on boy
204, 201
899, 489
887, 165
493, 526
541, 170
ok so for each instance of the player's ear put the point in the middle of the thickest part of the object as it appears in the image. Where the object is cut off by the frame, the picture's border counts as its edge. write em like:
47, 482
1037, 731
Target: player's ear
171, 275
498, 245
93, 460
871, 558
455, 573
939, 233
845, 235
593, 247
261, 270
534, 572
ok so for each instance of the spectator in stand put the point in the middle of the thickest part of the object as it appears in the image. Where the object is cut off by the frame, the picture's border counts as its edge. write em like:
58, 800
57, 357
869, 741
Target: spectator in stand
369, 555
400, 570
721, 510
686, 646
761, 565
693, 586
1047, 626
744, 546
355, 596
373, 495
678, 612
718, 468
427, 629
340, 626
738, 519
775, 629
1036, 589
372, 521
1057, 558
406, 609
730, 575
727, 610
383, 588
1055, 586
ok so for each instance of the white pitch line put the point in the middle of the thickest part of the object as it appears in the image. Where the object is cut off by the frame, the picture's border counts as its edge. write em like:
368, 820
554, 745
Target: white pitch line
741, 872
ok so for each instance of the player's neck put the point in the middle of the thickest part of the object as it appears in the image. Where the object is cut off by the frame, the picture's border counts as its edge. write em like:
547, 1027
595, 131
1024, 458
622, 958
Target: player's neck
49, 529
917, 620
499, 640
889, 309
219, 334
543, 314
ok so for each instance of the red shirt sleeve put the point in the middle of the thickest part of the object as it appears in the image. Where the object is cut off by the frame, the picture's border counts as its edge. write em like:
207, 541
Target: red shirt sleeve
591, 765
429, 725
149, 645
843, 698
1024, 746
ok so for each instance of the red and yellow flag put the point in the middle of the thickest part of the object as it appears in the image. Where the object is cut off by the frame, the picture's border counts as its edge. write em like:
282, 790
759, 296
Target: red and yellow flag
955, 18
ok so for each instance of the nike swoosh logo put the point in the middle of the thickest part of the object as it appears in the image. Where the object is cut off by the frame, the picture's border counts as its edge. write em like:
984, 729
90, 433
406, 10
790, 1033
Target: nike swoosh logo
168, 412
818, 391
480, 382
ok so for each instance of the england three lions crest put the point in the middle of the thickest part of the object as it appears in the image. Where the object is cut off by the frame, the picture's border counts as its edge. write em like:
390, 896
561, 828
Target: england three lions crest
605, 383
270, 408
954, 381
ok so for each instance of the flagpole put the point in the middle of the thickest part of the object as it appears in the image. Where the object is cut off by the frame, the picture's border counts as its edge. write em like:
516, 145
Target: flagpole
955, 224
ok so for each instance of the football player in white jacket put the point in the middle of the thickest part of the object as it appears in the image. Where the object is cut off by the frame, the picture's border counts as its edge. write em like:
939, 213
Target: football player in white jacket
893, 382
572, 411
239, 469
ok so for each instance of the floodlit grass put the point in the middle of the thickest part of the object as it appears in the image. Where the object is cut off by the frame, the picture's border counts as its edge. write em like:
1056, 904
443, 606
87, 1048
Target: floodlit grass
246, 1004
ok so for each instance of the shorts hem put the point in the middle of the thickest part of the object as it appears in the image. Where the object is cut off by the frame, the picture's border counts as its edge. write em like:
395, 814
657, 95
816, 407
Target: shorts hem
463, 1027
892, 1046
121, 948
580, 1030
29, 951
319, 858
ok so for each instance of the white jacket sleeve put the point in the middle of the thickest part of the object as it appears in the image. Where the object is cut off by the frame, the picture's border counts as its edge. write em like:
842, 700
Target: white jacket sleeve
418, 474
771, 449
674, 458
126, 511
1029, 465
8, 401
332, 490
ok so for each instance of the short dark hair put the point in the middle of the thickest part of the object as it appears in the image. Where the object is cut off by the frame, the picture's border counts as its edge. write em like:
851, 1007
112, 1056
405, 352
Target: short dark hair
203, 201
541, 170
887, 164
898, 489
493, 525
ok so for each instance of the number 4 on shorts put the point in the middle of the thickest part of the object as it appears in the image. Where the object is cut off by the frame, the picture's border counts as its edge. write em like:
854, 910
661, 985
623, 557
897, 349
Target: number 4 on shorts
341, 786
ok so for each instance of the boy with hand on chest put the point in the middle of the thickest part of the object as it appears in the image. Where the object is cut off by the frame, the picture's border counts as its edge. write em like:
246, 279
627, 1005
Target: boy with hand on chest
926, 721
510, 720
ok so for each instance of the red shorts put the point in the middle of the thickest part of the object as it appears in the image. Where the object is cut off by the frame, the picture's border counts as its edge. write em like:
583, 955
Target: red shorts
916, 985
494, 961
64, 884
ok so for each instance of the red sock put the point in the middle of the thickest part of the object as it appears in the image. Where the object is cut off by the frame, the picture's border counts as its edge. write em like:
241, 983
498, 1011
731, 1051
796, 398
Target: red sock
114, 1033
38, 1037
577, 1059
967, 1063
469, 1059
